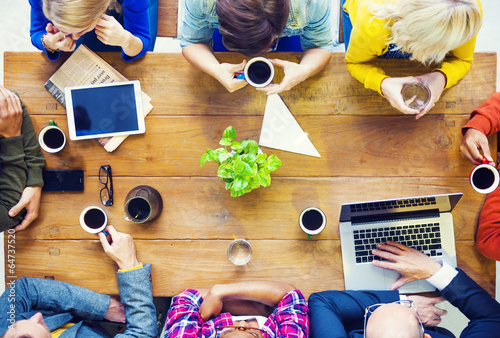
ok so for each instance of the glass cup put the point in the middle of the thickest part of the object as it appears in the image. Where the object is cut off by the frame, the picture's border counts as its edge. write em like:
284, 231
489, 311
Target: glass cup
239, 252
416, 95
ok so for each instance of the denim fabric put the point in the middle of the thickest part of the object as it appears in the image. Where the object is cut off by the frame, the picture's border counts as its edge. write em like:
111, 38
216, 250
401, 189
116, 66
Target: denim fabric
347, 25
308, 19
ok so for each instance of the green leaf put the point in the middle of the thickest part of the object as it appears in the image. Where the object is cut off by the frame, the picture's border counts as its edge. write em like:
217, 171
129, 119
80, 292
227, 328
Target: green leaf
264, 177
249, 158
273, 163
253, 183
203, 159
237, 147
223, 156
239, 183
225, 171
225, 142
251, 147
261, 160
236, 193
238, 165
229, 133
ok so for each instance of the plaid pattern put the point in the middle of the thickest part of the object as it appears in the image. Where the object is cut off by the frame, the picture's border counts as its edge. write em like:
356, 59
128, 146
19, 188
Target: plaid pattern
290, 318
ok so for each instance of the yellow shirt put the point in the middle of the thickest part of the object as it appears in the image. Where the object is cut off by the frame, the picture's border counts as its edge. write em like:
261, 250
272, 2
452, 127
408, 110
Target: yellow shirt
59, 331
369, 40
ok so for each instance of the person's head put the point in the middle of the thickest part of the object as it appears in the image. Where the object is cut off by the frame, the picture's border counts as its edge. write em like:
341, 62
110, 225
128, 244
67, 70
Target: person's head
251, 26
29, 328
430, 29
394, 321
75, 17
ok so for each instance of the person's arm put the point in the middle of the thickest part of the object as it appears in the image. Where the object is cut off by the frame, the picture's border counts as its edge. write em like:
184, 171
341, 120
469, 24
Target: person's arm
268, 293
38, 28
290, 318
337, 313
484, 121
134, 282
488, 230
136, 35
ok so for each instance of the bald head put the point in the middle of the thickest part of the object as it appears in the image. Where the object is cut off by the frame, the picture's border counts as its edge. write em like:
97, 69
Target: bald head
393, 321
29, 328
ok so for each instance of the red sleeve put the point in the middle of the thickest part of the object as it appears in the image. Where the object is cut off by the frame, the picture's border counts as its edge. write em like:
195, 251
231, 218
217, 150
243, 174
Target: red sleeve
486, 118
488, 231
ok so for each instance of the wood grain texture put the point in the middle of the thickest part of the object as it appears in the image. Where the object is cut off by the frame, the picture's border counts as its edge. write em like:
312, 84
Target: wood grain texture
200, 208
369, 151
167, 18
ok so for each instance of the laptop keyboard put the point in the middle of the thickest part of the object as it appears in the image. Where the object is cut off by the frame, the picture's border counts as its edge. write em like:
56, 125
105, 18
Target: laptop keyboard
423, 237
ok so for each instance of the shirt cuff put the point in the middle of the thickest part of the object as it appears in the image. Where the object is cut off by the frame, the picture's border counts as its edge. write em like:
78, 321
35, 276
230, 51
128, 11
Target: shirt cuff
130, 269
402, 296
443, 277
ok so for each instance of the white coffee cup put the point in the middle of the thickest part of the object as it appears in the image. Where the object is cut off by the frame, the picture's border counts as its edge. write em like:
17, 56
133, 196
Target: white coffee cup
93, 219
52, 138
484, 178
312, 221
259, 72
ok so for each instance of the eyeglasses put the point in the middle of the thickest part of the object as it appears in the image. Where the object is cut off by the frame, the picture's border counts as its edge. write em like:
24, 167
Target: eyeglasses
253, 331
105, 178
406, 303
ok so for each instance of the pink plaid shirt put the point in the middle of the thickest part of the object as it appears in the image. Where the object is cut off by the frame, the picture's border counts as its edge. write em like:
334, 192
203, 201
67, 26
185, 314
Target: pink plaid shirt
289, 319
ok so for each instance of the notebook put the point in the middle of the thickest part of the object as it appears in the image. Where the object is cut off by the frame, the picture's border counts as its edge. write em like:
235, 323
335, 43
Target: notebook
424, 223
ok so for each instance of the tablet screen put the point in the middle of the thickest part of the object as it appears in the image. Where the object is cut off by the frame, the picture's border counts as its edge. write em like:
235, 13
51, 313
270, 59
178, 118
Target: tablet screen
104, 110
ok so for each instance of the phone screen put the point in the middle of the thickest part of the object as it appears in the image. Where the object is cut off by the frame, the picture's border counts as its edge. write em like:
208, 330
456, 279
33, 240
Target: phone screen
63, 180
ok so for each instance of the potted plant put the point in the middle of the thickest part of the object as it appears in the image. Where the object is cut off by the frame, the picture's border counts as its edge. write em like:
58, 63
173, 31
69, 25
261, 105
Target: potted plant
243, 168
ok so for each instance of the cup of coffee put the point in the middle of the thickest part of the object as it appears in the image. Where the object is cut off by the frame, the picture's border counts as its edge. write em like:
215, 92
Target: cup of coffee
143, 204
416, 95
94, 220
259, 72
312, 221
239, 252
484, 178
52, 138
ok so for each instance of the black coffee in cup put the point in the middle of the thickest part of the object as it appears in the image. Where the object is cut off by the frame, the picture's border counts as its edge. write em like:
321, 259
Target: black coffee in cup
312, 220
138, 208
483, 178
259, 72
53, 138
94, 218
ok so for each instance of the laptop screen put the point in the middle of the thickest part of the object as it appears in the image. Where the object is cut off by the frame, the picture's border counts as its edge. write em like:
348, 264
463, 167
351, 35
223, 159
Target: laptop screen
398, 208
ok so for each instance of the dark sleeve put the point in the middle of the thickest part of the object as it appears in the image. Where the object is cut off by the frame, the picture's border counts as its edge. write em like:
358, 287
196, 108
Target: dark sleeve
35, 294
13, 174
339, 313
136, 293
37, 28
476, 304
35, 161
136, 21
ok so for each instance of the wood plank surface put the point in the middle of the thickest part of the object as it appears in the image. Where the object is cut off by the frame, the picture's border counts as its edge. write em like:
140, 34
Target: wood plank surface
177, 88
310, 266
349, 146
167, 18
200, 208
369, 151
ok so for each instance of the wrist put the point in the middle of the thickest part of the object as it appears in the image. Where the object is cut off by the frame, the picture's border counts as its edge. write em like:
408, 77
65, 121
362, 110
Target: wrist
128, 264
47, 47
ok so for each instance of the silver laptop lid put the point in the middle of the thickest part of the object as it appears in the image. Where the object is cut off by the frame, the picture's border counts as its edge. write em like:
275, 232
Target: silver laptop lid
409, 207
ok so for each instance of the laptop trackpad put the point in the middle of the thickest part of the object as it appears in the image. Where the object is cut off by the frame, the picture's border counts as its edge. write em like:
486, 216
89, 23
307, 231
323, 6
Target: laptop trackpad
392, 276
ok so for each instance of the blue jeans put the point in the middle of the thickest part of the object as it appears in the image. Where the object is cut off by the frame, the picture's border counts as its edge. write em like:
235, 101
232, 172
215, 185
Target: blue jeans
347, 25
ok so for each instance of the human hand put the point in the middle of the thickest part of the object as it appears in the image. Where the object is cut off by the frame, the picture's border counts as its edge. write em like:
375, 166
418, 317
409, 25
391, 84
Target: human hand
225, 74
110, 32
436, 81
295, 73
56, 40
122, 248
211, 305
410, 263
391, 88
429, 313
11, 114
30, 199
472, 142
116, 311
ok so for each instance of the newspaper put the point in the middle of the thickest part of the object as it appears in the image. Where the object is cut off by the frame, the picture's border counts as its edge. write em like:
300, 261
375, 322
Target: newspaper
85, 67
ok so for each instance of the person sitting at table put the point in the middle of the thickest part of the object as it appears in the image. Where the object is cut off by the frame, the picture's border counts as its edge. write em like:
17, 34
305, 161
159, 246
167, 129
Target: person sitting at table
247, 309
33, 307
432, 32
128, 26
484, 122
252, 27
380, 314
21, 164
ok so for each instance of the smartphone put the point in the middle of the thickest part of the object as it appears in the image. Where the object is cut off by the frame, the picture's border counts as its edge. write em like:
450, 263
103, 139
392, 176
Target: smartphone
63, 180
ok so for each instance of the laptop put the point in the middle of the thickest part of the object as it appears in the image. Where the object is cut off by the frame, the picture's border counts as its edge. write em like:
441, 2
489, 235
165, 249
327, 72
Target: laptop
424, 223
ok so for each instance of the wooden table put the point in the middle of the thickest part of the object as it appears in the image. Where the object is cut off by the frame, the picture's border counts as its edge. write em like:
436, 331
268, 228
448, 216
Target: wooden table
369, 151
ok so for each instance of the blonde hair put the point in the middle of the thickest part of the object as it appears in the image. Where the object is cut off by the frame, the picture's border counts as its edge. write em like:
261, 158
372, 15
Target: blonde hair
78, 14
429, 29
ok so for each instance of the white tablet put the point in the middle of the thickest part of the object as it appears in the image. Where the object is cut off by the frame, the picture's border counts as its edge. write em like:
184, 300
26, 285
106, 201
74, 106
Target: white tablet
104, 110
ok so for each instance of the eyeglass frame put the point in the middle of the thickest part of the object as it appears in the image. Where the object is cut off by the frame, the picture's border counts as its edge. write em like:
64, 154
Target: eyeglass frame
401, 302
109, 189
240, 328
